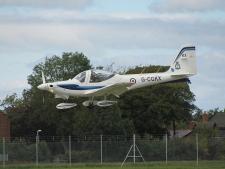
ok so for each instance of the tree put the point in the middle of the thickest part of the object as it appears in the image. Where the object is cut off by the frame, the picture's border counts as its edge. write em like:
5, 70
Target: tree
18, 113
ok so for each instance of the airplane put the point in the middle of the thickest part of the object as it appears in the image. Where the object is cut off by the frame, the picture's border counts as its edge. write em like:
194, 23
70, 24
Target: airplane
98, 83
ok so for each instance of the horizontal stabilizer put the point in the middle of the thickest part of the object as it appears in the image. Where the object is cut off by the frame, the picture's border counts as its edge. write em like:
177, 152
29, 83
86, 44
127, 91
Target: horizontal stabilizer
178, 81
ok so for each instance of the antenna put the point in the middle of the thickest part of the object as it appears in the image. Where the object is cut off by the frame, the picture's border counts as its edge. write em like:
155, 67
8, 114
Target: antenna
110, 67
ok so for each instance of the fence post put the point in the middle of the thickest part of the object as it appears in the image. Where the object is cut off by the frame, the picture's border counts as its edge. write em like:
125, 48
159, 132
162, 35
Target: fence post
37, 141
166, 148
70, 150
101, 148
134, 144
197, 149
3, 152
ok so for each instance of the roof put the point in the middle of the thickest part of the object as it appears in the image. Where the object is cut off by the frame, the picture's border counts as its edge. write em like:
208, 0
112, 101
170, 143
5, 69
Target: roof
218, 119
3, 112
180, 133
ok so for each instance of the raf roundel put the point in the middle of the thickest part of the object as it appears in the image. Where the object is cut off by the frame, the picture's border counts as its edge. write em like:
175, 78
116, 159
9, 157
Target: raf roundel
132, 80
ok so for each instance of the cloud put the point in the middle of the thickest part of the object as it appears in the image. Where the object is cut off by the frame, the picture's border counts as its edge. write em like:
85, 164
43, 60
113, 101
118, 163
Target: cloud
75, 4
12, 86
114, 33
172, 6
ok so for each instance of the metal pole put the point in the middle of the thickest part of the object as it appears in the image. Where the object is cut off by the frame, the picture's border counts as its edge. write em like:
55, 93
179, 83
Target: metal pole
70, 150
166, 149
101, 149
3, 152
197, 149
134, 153
127, 156
37, 142
37, 150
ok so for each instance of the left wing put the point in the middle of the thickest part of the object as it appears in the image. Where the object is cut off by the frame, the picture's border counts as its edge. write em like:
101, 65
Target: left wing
115, 89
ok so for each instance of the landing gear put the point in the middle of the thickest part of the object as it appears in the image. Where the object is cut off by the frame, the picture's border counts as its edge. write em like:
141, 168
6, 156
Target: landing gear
89, 103
104, 103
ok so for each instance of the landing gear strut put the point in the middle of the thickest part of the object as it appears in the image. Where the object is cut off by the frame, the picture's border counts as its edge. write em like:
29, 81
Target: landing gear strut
103, 103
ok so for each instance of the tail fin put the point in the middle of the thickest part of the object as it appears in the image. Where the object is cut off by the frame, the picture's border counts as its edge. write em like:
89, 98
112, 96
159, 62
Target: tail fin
185, 62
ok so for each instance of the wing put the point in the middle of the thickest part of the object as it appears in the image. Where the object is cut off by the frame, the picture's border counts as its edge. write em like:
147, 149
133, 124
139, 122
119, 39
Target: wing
65, 97
115, 89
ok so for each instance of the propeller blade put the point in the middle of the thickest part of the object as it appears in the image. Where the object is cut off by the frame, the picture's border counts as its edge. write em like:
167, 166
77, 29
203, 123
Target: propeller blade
43, 77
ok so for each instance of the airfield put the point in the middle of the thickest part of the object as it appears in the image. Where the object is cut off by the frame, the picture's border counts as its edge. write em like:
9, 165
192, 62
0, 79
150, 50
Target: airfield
153, 165
93, 84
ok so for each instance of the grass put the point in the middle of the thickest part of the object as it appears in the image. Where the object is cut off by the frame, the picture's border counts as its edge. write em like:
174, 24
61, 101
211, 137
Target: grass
152, 165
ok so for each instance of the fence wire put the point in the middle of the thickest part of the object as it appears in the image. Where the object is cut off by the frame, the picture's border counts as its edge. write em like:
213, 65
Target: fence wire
109, 149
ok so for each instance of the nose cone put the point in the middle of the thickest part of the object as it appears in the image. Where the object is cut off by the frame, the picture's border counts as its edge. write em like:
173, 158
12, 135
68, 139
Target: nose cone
43, 87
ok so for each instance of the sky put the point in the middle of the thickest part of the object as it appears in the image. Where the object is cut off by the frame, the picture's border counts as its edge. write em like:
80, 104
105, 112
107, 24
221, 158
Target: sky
126, 32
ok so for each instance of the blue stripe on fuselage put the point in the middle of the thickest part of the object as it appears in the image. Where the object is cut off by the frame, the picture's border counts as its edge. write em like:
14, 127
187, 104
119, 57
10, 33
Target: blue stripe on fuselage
77, 87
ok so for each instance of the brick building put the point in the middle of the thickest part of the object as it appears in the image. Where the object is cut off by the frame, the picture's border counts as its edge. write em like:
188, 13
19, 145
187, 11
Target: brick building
4, 125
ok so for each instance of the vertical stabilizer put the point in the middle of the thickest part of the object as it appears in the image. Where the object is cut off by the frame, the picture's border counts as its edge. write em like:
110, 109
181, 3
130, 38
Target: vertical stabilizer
185, 62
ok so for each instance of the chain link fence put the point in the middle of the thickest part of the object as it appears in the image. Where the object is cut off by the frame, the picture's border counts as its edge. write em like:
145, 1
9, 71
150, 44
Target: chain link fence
109, 149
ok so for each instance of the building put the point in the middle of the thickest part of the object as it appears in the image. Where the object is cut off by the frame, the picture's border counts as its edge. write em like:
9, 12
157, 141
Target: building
218, 122
180, 133
4, 125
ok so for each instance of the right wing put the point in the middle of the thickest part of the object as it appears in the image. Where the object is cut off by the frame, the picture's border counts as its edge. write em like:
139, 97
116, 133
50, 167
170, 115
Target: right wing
115, 89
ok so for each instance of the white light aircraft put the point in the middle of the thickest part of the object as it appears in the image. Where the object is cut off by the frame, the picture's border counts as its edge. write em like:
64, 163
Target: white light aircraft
99, 83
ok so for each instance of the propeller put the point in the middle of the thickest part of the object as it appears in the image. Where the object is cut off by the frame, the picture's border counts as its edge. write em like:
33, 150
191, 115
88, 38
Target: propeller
42, 86
43, 77
45, 86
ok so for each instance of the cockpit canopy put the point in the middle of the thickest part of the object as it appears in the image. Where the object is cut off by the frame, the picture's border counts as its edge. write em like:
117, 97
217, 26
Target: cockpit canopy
100, 75
94, 76
81, 77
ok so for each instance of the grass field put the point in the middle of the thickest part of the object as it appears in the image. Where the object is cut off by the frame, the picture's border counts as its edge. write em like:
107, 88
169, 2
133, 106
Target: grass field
153, 165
